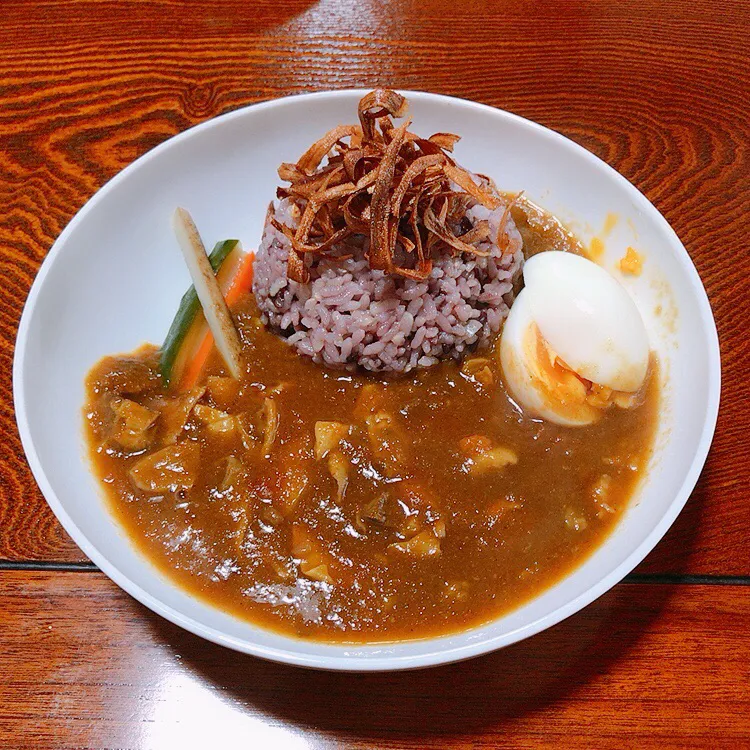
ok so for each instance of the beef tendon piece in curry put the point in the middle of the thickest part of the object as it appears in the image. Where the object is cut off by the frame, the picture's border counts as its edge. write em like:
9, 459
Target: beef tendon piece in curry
371, 451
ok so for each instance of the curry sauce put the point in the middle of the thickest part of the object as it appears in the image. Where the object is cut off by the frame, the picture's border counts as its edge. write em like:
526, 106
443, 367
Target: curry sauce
348, 507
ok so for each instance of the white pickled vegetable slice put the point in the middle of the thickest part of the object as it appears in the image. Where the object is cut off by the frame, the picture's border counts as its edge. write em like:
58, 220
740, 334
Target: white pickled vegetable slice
214, 306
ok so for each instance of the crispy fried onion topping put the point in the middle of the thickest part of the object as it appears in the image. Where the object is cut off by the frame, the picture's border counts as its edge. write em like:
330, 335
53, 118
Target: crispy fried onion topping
383, 181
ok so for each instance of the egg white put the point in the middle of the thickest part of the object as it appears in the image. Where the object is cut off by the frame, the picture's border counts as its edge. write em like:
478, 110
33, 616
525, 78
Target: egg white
587, 317
571, 323
538, 390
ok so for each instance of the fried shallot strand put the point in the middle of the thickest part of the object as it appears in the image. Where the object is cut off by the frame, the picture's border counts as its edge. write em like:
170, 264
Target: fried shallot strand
311, 159
377, 104
502, 237
380, 255
464, 180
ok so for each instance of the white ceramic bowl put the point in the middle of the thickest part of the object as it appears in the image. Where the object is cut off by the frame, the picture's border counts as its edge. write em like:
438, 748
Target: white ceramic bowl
113, 278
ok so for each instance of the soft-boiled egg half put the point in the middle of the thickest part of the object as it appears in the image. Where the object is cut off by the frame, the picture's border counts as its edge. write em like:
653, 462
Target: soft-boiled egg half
574, 342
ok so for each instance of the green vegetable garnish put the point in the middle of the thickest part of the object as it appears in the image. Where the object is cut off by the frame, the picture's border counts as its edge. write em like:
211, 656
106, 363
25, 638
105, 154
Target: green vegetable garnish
188, 309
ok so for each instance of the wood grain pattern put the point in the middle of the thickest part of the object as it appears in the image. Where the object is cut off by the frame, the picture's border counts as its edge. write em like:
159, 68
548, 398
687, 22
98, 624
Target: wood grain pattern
657, 90
645, 666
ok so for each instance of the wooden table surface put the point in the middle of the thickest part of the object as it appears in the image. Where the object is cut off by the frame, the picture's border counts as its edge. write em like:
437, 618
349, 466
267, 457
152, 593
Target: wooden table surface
659, 90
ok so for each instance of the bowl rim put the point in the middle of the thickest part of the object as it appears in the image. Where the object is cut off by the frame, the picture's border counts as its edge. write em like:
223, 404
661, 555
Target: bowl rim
343, 661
